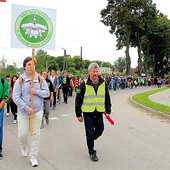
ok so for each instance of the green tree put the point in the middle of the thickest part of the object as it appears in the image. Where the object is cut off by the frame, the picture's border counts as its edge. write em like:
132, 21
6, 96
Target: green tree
126, 18
144, 13
45, 61
86, 63
117, 15
106, 64
156, 47
52, 63
70, 62
78, 61
40, 60
120, 64
59, 60
11, 70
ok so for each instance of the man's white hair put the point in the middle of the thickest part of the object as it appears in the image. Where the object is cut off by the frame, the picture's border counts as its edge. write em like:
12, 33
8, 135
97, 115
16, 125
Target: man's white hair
93, 65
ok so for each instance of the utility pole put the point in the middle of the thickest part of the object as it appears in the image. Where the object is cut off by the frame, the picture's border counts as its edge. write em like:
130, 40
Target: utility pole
64, 58
46, 61
81, 52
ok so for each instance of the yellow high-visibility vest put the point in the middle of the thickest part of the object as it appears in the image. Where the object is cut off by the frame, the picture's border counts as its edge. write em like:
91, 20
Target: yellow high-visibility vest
92, 100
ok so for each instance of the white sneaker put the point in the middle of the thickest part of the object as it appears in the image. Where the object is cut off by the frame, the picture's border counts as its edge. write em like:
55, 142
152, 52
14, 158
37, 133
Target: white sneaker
33, 161
24, 151
7, 114
15, 121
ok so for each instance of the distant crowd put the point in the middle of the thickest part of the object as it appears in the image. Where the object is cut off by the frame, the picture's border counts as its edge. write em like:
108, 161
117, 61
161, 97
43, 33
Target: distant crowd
123, 82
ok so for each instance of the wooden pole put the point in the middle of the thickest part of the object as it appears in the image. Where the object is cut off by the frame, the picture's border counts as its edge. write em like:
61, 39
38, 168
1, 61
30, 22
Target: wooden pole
32, 96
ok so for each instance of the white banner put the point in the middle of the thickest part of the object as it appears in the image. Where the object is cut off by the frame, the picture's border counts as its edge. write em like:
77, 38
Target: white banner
33, 27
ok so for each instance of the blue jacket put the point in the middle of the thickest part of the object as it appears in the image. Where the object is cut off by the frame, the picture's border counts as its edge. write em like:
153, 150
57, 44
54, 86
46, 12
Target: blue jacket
21, 94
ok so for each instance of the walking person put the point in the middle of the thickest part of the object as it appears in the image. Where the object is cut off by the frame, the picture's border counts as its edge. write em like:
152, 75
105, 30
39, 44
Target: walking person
59, 86
4, 92
77, 83
65, 86
47, 100
22, 97
14, 108
92, 100
8, 78
53, 79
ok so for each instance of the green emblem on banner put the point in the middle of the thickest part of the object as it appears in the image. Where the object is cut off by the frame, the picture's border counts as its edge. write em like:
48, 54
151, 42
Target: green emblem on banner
33, 28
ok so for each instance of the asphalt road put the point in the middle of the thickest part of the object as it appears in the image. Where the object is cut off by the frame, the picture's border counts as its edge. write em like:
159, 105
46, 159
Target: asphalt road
139, 140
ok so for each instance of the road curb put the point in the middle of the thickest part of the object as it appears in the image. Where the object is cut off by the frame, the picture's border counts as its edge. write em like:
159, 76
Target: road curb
151, 110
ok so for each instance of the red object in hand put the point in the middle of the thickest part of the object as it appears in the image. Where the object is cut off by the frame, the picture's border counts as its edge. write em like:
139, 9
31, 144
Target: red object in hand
109, 118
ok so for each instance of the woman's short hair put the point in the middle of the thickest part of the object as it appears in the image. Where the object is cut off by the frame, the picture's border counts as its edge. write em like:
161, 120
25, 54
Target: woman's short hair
93, 65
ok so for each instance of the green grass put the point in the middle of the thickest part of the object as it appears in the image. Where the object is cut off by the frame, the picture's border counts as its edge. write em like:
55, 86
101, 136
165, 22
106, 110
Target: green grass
142, 98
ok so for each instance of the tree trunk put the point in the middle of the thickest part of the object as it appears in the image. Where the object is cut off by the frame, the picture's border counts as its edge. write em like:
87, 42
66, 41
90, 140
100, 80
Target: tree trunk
128, 60
154, 65
139, 60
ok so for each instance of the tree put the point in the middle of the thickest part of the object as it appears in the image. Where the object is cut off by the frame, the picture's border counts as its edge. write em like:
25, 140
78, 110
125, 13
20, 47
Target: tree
106, 64
11, 70
117, 15
144, 13
120, 64
156, 46
44, 61
40, 60
59, 60
126, 18
70, 62
78, 61
75, 65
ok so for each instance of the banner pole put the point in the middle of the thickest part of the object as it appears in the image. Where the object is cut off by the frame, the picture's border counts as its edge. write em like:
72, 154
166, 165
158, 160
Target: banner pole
32, 96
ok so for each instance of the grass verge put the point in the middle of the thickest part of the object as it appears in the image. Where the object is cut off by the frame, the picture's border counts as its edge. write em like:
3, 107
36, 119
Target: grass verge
142, 98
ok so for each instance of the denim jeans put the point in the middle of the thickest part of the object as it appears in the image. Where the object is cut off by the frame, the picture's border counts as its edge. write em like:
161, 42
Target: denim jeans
94, 128
1, 127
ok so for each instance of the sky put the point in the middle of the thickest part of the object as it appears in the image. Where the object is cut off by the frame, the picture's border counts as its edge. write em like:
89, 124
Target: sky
77, 25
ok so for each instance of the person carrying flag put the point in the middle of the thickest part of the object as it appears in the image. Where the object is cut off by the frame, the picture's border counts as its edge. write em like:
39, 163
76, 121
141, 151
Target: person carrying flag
92, 100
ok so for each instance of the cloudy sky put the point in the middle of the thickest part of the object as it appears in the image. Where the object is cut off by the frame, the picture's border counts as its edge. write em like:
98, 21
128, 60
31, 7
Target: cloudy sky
77, 24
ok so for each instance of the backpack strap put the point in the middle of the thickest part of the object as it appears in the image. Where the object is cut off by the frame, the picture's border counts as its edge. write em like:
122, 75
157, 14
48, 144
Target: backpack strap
20, 81
39, 80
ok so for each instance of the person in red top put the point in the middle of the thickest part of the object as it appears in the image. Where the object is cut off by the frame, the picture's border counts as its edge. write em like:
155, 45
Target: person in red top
77, 83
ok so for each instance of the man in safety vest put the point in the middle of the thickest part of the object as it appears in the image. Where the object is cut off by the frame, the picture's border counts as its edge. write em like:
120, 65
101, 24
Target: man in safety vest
92, 100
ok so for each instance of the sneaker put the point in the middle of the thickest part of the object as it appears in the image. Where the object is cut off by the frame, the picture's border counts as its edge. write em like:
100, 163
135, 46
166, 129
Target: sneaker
1, 156
33, 161
15, 121
24, 151
93, 157
7, 114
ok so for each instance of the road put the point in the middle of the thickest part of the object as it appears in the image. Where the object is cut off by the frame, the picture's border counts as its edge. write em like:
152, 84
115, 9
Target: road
139, 140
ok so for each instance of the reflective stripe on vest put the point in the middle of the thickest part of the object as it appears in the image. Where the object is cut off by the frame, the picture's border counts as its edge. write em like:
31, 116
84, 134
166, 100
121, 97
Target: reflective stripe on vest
92, 101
